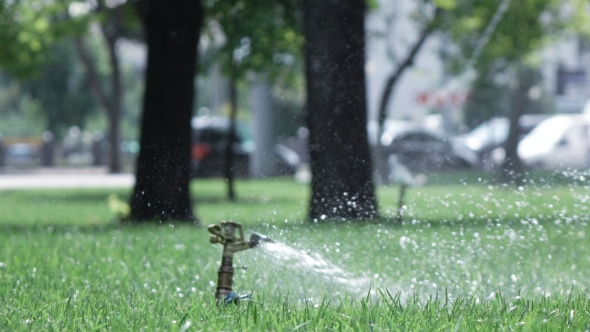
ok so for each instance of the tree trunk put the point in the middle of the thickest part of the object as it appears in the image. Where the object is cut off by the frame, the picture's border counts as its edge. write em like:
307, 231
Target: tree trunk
114, 109
342, 184
163, 166
110, 103
231, 137
511, 170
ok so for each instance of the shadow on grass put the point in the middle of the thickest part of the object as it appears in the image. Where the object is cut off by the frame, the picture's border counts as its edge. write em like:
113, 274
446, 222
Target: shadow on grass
215, 200
99, 196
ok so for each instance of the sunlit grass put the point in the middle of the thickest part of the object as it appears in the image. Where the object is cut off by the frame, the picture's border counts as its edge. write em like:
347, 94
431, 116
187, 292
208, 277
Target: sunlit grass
470, 255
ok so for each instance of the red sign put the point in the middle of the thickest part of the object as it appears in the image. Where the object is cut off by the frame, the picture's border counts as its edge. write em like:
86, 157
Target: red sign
442, 98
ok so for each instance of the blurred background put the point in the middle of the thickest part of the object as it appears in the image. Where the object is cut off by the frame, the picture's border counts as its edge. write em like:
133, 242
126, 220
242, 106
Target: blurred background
461, 77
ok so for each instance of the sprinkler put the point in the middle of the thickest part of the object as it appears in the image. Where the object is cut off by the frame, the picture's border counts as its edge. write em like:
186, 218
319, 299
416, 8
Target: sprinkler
225, 233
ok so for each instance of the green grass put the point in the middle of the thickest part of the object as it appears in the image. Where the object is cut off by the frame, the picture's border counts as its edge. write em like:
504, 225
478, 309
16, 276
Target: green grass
470, 255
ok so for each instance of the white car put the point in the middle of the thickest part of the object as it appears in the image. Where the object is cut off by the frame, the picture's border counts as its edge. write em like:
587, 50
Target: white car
488, 139
561, 141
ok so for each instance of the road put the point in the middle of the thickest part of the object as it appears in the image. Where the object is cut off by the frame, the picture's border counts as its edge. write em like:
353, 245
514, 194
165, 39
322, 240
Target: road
40, 179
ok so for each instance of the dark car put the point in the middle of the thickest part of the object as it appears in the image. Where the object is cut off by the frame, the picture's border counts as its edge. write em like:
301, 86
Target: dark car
210, 136
422, 150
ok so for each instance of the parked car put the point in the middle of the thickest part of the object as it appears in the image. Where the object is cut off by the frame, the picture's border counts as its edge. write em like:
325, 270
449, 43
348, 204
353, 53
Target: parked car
21, 154
210, 136
422, 150
561, 141
487, 140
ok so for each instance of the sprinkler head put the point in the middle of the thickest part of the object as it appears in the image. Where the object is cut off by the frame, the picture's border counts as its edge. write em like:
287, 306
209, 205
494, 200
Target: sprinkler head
230, 235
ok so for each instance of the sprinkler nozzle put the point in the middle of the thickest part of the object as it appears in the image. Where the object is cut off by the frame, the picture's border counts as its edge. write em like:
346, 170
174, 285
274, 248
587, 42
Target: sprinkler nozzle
256, 238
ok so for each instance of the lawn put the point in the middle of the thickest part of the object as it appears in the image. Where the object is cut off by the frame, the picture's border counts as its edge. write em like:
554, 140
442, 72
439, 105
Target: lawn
470, 255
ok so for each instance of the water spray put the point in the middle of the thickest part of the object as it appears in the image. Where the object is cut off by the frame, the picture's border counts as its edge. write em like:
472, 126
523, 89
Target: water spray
225, 233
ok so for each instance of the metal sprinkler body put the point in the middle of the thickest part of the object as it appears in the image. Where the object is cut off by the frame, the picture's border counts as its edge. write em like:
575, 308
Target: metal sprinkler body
225, 233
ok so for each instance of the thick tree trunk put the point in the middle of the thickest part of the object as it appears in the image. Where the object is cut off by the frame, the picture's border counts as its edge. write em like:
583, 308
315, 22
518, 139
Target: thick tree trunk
342, 184
163, 174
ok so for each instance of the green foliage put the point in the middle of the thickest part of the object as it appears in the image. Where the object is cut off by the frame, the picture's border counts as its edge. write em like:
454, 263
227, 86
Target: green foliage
33, 51
56, 81
23, 35
259, 36
445, 4
487, 99
28, 28
520, 31
498, 55
492, 94
19, 113
62, 90
579, 18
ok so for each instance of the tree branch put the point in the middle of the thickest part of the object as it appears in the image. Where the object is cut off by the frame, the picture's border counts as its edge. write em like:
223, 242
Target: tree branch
93, 76
408, 61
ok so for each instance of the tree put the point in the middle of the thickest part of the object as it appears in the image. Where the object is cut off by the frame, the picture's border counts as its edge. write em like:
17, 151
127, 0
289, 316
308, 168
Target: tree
57, 93
112, 30
342, 185
161, 190
512, 167
62, 90
116, 21
489, 35
264, 36
29, 30
520, 33
259, 36
488, 97
429, 27
25, 34
492, 36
